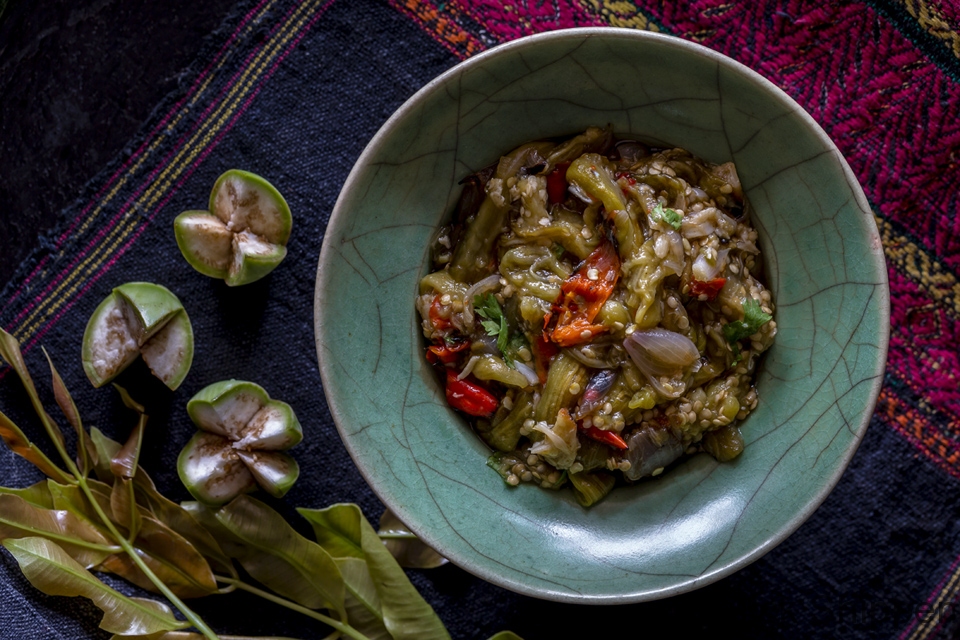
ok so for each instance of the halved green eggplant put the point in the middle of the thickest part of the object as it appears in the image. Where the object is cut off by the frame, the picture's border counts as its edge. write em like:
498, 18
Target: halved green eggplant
243, 435
138, 319
244, 234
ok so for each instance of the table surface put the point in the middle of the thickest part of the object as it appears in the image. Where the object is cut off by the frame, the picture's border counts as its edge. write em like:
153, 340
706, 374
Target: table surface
80, 78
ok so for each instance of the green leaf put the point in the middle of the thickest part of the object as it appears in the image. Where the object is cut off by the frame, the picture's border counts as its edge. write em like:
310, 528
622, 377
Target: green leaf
170, 556
124, 462
503, 635
36, 494
102, 451
69, 409
663, 214
362, 601
279, 557
406, 547
405, 613
20, 445
84, 542
123, 506
753, 319
183, 522
71, 498
10, 351
496, 322
52, 571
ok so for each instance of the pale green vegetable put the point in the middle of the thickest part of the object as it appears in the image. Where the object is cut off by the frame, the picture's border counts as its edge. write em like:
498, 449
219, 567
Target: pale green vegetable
244, 234
241, 443
138, 319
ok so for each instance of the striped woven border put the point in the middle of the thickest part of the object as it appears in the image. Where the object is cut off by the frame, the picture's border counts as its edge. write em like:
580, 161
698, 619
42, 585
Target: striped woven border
119, 211
894, 76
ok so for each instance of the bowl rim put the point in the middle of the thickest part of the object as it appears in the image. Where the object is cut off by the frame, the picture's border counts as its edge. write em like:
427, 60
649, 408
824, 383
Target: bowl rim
876, 250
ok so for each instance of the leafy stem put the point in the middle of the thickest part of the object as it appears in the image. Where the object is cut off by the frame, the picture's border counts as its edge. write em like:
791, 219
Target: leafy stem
283, 602
194, 619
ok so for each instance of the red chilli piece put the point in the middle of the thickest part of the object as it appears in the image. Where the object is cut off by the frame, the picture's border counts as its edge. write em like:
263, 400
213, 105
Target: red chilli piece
557, 183
444, 353
436, 320
710, 288
469, 397
608, 438
582, 296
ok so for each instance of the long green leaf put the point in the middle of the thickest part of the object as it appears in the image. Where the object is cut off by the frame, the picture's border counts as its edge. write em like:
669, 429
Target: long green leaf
183, 522
124, 507
279, 557
70, 497
504, 635
102, 451
10, 351
36, 494
362, 599
406, 614
18, 442
84, 543
124, 463
52, 571
69, 409
171, 557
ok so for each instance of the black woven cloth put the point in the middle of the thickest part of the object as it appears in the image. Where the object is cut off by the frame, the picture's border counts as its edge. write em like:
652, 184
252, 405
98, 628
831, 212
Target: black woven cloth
293, 91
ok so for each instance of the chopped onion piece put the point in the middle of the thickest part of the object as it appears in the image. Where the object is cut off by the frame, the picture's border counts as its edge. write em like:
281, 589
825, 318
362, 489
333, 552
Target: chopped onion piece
660, 352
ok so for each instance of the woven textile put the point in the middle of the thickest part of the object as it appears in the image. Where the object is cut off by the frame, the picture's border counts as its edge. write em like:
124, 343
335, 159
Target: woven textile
294, 90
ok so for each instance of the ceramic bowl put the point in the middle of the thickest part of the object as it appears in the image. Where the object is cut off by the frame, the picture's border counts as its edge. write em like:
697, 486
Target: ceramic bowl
701, 520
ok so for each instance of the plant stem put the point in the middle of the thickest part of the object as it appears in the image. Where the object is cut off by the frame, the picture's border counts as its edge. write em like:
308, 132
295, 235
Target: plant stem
194, 619
188, 613
293, 606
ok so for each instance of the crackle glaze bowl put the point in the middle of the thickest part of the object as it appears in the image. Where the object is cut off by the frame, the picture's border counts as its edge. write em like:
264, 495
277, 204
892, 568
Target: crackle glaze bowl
817, 385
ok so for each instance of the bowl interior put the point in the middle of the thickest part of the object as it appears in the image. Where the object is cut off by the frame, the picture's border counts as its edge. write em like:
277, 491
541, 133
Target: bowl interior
817, 385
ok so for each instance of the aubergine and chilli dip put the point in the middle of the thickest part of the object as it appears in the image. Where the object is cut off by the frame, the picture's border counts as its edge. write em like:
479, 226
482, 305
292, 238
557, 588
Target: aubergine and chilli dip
595, 308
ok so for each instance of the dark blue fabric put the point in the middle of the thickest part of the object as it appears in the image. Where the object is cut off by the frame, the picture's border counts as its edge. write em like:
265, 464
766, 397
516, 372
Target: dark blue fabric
857, 568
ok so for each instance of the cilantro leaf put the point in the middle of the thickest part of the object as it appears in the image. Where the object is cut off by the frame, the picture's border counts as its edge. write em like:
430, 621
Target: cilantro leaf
753, 319
663, 214
495, 323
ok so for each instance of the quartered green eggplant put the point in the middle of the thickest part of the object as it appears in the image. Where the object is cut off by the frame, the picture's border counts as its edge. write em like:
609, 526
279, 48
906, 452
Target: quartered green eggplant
241, 443
138, 319
243, 235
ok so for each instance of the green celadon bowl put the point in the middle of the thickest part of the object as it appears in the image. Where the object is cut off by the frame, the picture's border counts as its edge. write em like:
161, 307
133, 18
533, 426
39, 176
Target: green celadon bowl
817, 385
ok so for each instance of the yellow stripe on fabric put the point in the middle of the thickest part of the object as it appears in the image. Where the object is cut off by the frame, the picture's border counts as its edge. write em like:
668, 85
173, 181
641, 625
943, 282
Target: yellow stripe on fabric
619, 13
933, 22
938, 609
931, 276
204, 134
162, 136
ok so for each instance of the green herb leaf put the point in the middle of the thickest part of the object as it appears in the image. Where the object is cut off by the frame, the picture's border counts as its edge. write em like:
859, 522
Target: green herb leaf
753, 319
663, 214
405, 613
51, 570
495, 323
